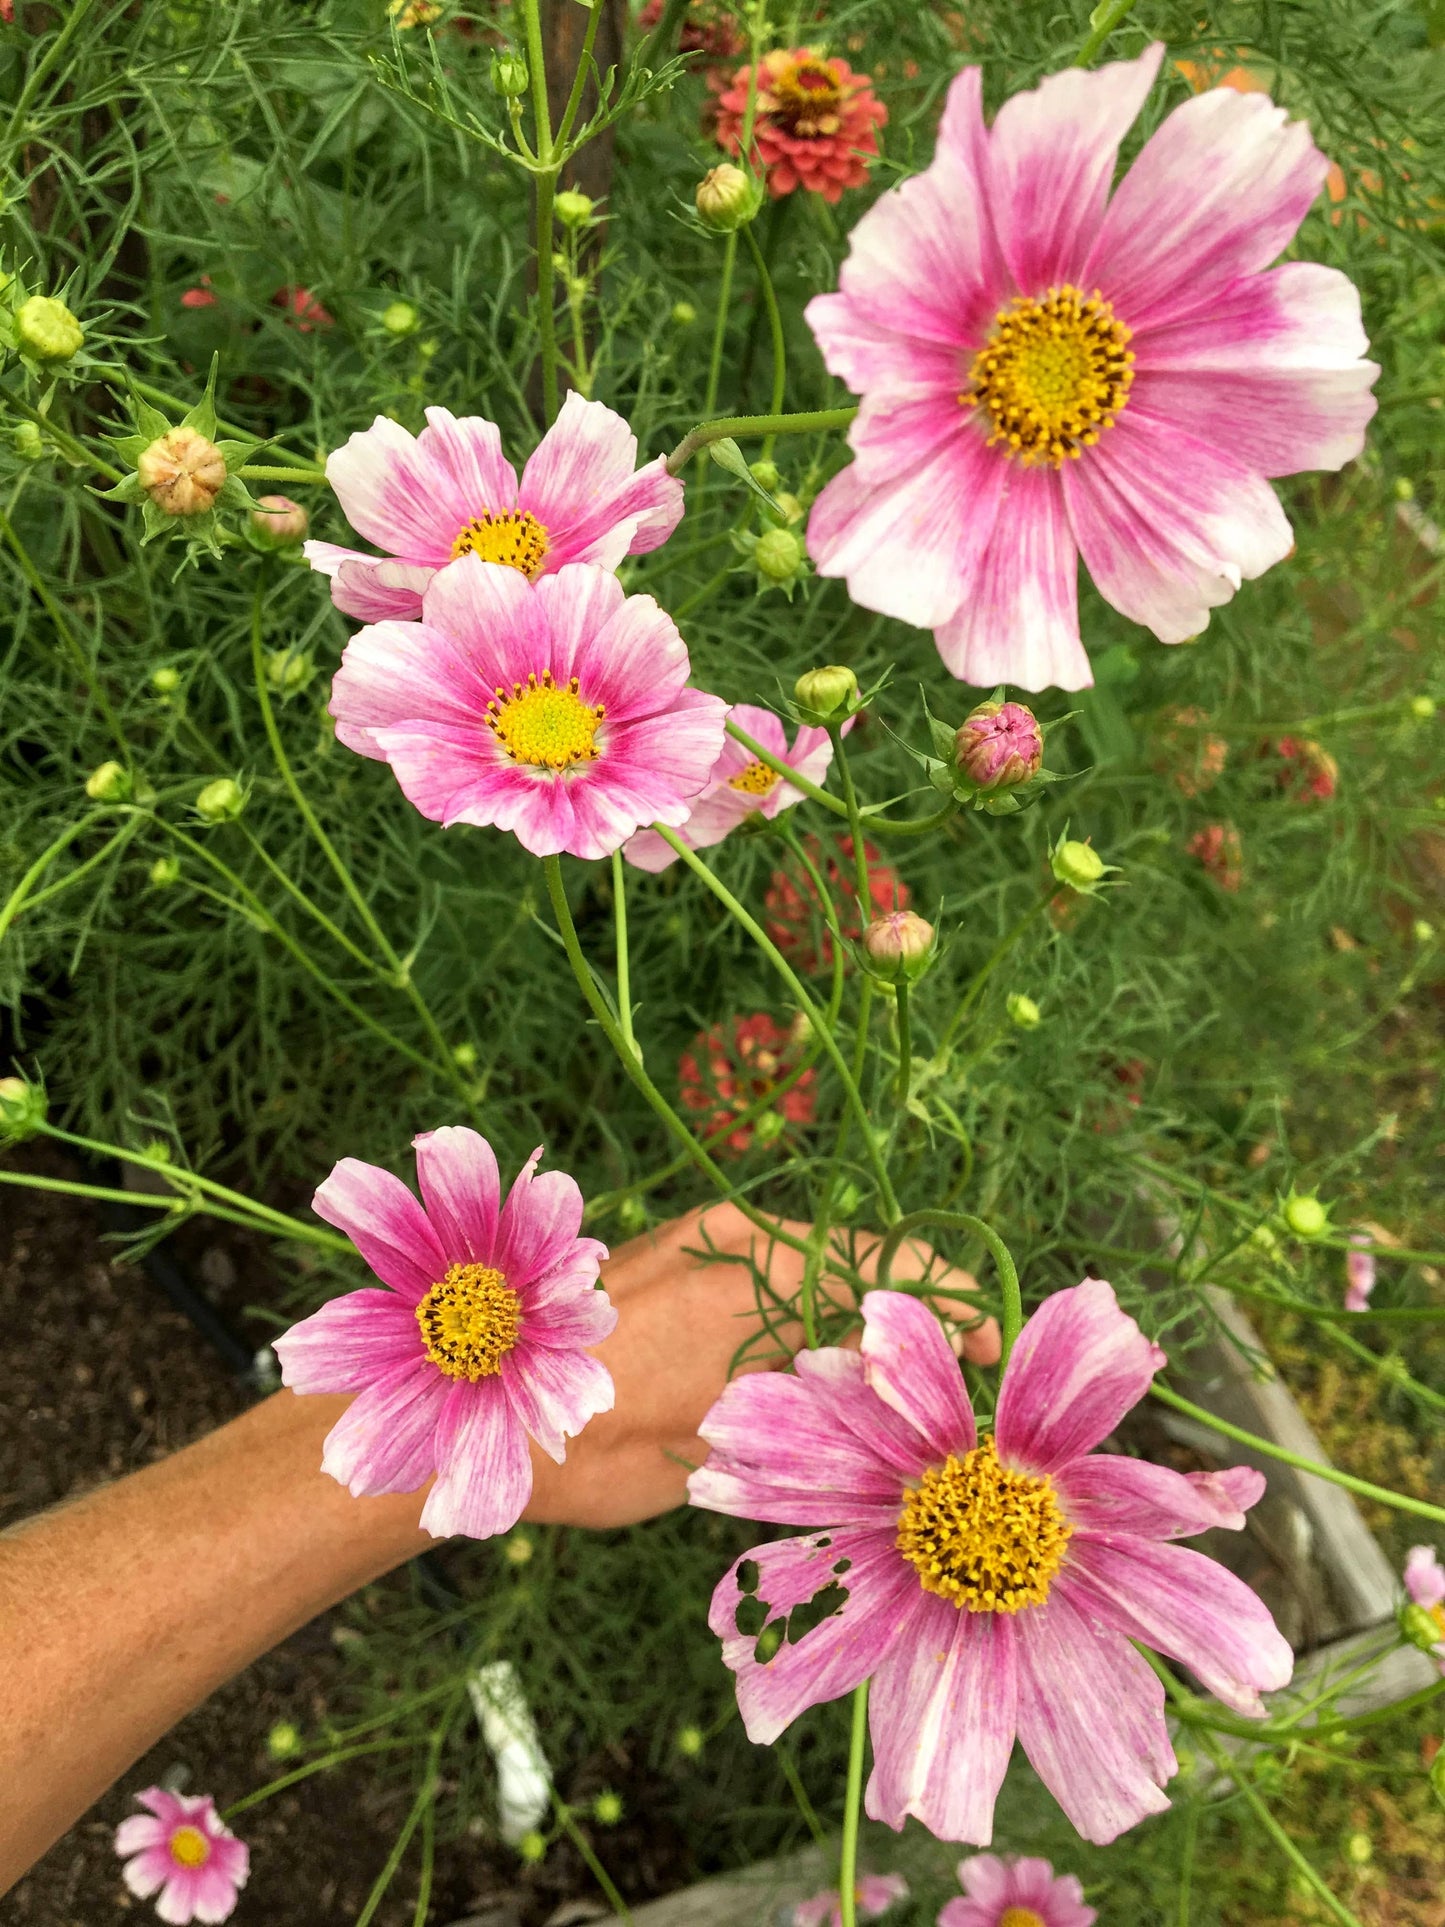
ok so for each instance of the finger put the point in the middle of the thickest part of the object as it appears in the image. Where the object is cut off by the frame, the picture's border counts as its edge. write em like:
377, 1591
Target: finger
975, 1337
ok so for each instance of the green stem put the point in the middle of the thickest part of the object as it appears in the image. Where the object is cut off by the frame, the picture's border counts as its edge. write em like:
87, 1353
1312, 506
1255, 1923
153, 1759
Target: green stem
584, 1846
771, 760
1008, 1277
425, 1794
66, 444
910, 826
905, 1041
546, 189
262, 473
297, 1774
719, 336
20, 895
607, 1024
775, 325
1398, 1501
231, 429
775, 957
46, 65
852, 1803
89, 672
742, 427
624, 967
1277, 1833
982, 975
1105, 19
428, 1864
579, 79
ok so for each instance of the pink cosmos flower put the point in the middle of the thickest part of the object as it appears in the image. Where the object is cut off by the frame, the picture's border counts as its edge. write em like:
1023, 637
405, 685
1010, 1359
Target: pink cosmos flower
1048, 372
993, 1584
874, 1894
1015, 1893
183, 1850
448, 492
479, 1342
1359, 1273
740, 786
1425, 1583
556, 711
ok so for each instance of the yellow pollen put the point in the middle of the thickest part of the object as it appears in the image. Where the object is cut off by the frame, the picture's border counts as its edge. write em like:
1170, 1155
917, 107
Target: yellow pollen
189, 1847
544, 726
469, 1321
514, 538
1052, 376
806, 96
1021, 1917
982, 1536
753, 779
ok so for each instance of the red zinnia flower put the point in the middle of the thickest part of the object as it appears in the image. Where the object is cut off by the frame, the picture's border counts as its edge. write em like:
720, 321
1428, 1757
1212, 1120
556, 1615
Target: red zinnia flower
201, 296
795, 917
733, 1065
813, 124
1217, 847
303, 308
1310, 773
1189, 754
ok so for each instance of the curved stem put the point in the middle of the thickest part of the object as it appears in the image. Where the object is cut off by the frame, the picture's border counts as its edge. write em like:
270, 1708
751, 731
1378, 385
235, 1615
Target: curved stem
852, 1802
1110, 15
20, 895
743, 427
1398, 1501
624, 964
719, 336
775, 326
299, 1773
253, 472
804, 1002
584, 1846
1008, 1277
1303, 1870
910, 826
771, 760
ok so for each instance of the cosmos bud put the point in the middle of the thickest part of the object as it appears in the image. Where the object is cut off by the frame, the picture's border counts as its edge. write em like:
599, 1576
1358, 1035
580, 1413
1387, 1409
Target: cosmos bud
221, 801
827, 694
1078, 864
182, 472
899, 945
22, 1109
400, 318
778, 555
999, 746
1023, 1011
573, 208
509, 75
110, 783
1305, 1215
279, 523
46, 329
726, 199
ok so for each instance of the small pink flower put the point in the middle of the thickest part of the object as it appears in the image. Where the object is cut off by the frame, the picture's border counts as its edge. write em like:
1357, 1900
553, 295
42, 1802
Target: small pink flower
1425, 1578
1049, 372
874, 1894
479, 1343
448, 492
1359, 1273
1218, 849
183, 1850
1015, 1893
993, 1584
557, 711
739, 786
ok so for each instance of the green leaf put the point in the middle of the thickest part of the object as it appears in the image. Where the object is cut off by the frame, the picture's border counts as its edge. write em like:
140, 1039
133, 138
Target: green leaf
728, 455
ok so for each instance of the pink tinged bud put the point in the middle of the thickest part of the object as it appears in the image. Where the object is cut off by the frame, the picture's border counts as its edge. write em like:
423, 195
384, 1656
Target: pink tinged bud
899, 944
182, 472
201, 296
999, 745
1359, 1274
278, 522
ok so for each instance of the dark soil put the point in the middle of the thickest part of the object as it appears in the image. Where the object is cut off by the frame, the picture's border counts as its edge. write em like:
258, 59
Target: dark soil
99, 1376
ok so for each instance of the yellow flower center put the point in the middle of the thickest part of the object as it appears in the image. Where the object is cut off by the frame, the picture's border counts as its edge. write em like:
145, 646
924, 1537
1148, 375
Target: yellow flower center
1437, 1613
1053, 375
1021, 1917
469, 1321
515, 538
982, 1536
547, 727
753, 779
190, 1847
806, 96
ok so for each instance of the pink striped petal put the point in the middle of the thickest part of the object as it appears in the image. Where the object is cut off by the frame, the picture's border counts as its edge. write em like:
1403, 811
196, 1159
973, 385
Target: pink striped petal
150, 1869
403, 672
553, 1393
1217, 191
1079, 1365
1109, 1494
214, 1894
1090, 1718
539, 1223
836, 1655
861, 349
180, 1897
484, 1470
910, 1365
139, 1831
372, 589
942, 1711
1051, 156
1168, 526
385, 1439
385, 1223
838, 1382
349, 1342
457, 1171
1019, 621
499, 625
469, 449
631, 659
583, 485
1187, 1607
396, 494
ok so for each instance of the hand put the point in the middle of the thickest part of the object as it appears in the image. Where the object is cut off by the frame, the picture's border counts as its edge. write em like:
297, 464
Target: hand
682, 1321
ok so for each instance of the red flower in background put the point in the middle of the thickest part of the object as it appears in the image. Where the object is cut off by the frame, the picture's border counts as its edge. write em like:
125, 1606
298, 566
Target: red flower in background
302, 308
735, 1064
813, 125
200, 296
1310, 773
1188, 753
707, 29
794, 916
1217, 847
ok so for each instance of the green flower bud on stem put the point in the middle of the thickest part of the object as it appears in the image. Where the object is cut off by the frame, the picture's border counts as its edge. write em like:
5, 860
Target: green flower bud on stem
726, 199
28, 442
165, 871
22, 1109
221, 801
779, 555
165, 681
283, 1742
1422, 708
532, 1848
509, 75
47, 330
898, 946
607, 1809
765, 474
573, 208
827, 695
1305, 1215
279, 523
110, 783
690, 1741
1418, 1624
400, 318
1078, 864
684, 314
1023, 1011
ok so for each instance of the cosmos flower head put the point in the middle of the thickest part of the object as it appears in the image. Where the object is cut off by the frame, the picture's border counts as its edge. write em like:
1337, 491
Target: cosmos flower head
1048, 371
992, 1582
558, 712
429, 499
873, 1895
182, 1851
476, 1342
1015, 1893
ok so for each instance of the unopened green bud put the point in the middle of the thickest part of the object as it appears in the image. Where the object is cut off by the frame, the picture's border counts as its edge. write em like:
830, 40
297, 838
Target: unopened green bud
1422, 708
532, 1848
826, 694
573, 208
110, 783
165, 871
221, 801
765, 474
726, 199
519, 1549
769, 1127
464, 1056
1023, 1011
47, 330
632, 1216
283, 1742
1077, 864
509, 75
1359, 1849
288, 670
27, 441
690, 1741
1404, 489
790, 505
22, 1109
400, 318
779, 555
607, 1809
165, 681
899, 945
1422, 930
1305, 1215
684, 314
1419, 1624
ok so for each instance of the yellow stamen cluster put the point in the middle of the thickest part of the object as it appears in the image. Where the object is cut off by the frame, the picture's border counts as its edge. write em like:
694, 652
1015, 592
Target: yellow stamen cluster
1021, 1917
189, 1847
515, 538
543, 725
806, 97
1052, 376
982, 1536
469, 1321
754, 779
